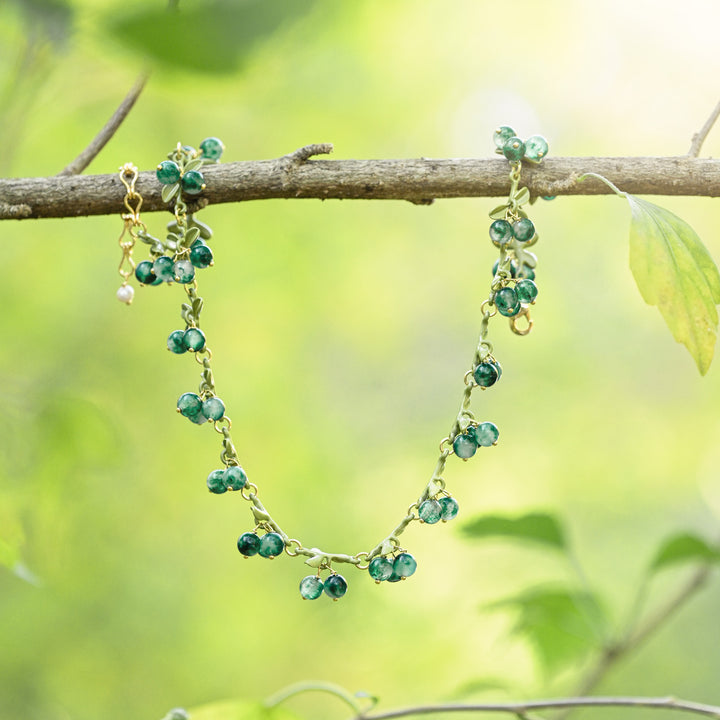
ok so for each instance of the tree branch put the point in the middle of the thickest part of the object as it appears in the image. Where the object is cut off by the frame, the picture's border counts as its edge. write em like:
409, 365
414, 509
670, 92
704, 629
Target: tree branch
667, 703
415, 180
612, 654
111, 127
699, 137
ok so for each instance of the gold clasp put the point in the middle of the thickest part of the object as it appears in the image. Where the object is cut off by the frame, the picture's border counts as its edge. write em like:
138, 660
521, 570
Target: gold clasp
513, 320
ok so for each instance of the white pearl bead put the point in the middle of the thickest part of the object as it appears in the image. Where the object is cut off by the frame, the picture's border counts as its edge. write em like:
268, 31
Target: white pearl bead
125, 294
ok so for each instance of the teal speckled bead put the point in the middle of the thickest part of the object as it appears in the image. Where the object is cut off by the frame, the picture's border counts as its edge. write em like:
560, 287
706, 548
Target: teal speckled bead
486, 374
526, 291
311, 587
335, 586
194, 339
526, 272
394, 578
213, 408
404, 565
501, 232
212, 148
430, 512
201, 256
449, 508
513, 268
464, 446
486, 434
502, 135
144, 273
163, 268
248, 544
536, 148
198, 419
175, 342
523, 229
234, 478
506, 301
193, 182
215, 482
380, 569
184, 271
514, 149
167, 172
189, 405
271, 545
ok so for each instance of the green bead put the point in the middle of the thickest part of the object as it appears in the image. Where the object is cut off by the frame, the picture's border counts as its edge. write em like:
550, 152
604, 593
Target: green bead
536, 148
394, 577
464, 446
212, 148
514, 149
194, 339
507, 303
498, 367
234, 478
193, 182
189, 405
201, 256
190, 150
486, 434
213, 408
215, 482
502, 135
526, 272
380, 569
523, 230
335, 586
513, 268
184, 271
163, 267
175, 342
449, 508
311, 587
248, 544
486, 374
271, 545
526, 291
430, 512
549, 197
167, 172
144, 273
198, 419
501, 232
404, 565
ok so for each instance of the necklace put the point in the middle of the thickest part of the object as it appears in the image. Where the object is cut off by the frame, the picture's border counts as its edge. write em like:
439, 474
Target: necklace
185, 251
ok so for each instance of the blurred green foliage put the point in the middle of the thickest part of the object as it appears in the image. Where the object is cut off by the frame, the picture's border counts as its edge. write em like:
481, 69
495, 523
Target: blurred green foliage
341, 334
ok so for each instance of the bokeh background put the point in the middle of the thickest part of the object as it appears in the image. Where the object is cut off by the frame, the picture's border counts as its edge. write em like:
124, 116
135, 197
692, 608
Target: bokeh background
341, 332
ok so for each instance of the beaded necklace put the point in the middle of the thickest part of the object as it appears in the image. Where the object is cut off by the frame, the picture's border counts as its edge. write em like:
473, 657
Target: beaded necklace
185, 251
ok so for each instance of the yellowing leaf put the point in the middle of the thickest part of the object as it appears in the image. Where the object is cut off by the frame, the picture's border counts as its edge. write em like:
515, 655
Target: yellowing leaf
674, 270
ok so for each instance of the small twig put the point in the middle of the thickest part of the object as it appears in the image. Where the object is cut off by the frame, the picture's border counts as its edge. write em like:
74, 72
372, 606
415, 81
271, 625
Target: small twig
307, 151
111, 127
635, 638
303, 687
521, 709
699, 137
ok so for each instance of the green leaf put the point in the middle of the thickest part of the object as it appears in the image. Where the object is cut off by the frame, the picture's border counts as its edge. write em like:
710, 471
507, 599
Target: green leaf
240, 710
168, 192
541, 528
214, 36
499, 212
684, 548
194, 165
674, 270
523, 196
561, 625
